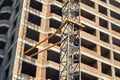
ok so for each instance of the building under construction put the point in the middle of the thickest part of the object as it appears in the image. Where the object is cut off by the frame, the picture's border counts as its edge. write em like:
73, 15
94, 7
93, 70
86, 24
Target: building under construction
24, 23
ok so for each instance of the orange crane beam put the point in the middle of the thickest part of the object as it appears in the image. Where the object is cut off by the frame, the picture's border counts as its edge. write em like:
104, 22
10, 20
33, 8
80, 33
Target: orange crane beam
51, 46
45, 49
57, 32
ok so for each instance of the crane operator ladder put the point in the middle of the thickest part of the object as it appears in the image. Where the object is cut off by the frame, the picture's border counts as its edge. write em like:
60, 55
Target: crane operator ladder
70, 45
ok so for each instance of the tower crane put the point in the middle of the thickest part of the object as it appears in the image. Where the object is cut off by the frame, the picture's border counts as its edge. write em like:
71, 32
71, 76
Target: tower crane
70, 29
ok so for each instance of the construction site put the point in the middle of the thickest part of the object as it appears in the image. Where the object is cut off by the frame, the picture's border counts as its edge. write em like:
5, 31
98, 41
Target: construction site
59, 39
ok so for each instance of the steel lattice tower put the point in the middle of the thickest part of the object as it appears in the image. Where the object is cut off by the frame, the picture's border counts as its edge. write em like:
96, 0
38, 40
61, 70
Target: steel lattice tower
70, 46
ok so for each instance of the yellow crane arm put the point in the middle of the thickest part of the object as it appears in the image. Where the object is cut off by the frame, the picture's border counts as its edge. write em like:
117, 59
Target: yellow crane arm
51, 46
45, 49
58, 31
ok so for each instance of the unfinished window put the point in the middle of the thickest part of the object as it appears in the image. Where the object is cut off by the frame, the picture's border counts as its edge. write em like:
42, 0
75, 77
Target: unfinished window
103, 1
1, 60
89, 61
59, 1
88, 44
9, 55
115, 15
106, 69
89, 3
3, 30
5, 16
88, 15
90, 30
12, 38
105, 52
28, 69
117, 72
2, 45
52, 74
54, 23
26, 47
116, 42
53, 56
54, 39
17, 9
15, 23
86, 76
115, 28
104, 37
115, 3
117, 56
6, 73
6, 3
36, 5
57, 10
32, 34
103, 23
34, 19
102, 10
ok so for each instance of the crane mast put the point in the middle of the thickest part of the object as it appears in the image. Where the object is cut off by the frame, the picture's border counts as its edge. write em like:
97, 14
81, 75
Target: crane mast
70, 42
70, 57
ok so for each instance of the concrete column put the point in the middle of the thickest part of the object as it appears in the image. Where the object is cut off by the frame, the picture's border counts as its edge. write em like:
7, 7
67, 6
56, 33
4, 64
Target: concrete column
42, 57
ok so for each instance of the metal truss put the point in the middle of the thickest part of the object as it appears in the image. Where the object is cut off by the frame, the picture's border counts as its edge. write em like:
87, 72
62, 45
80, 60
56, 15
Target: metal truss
70, 42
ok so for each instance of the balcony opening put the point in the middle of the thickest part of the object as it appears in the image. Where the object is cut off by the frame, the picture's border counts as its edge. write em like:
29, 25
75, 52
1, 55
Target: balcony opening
88, 15
89, 3
26, 47
115, 28
5, 16
106, 69
53, 56
34, 19
117, 72
52, 74
105, 52
54, 39
115, 15
54, 23
117, 56
104, 37
32, 34
89, 45
36, 5
7, 3
2, 44
103, 23
102, 10
86, 76
116, 41
115, 3
3, 30
89, 30
89, 61
57, 10
28, 69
